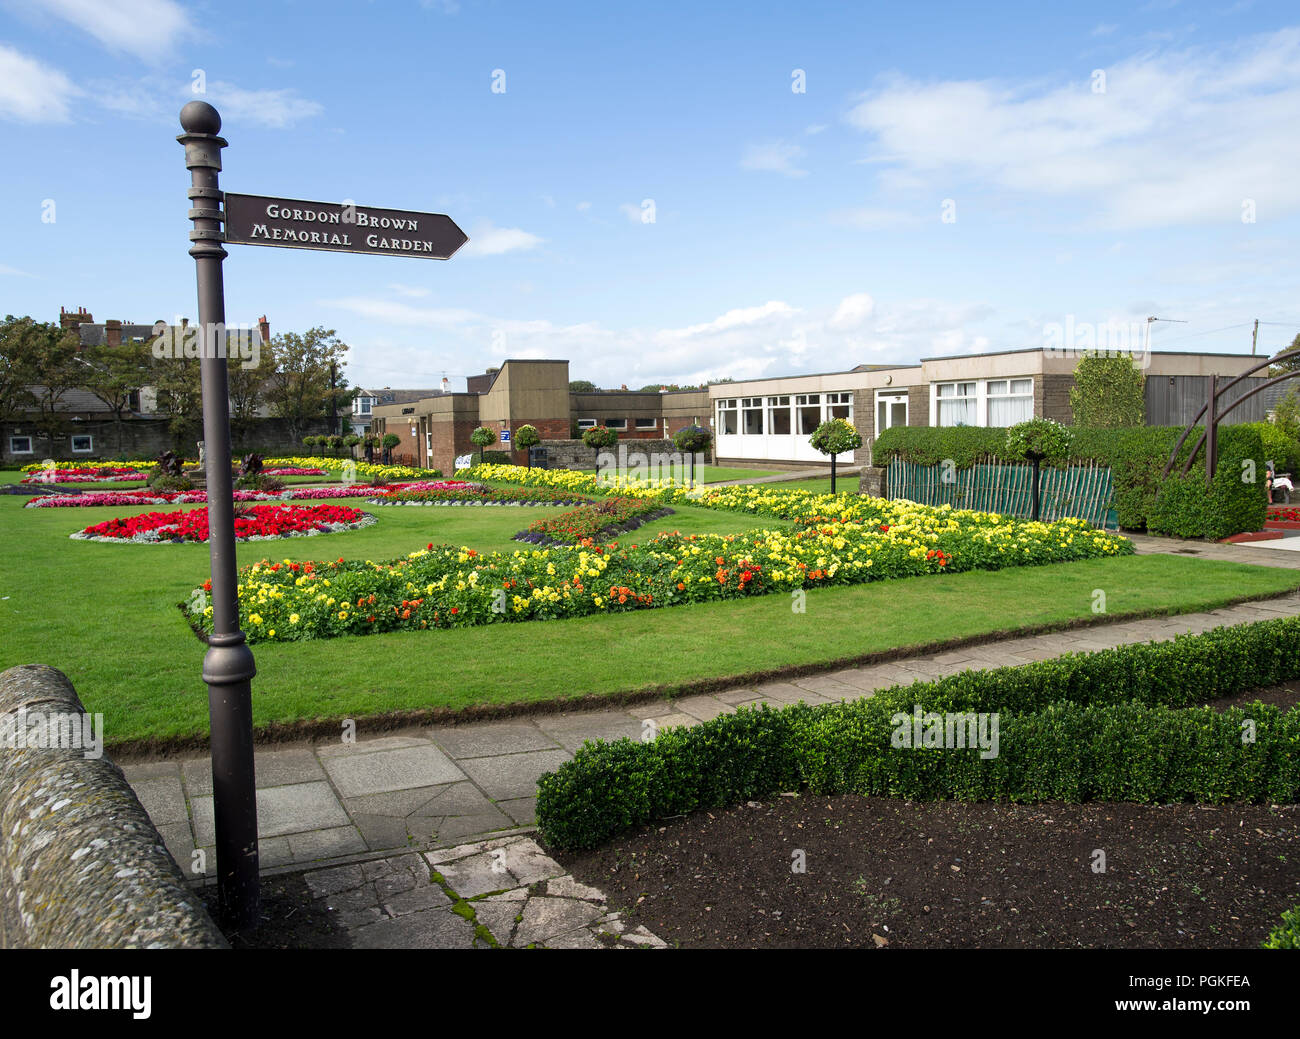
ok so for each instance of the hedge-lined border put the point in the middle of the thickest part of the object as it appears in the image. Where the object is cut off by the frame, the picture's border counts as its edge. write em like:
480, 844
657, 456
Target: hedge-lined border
1110, 725
608, 533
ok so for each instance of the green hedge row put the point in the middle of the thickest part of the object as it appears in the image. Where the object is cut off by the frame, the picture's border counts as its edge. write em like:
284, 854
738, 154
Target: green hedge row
1111, 725
1136, 457
1285, 935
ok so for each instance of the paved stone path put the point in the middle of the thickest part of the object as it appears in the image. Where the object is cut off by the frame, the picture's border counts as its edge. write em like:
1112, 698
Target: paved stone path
424, 789
505, 892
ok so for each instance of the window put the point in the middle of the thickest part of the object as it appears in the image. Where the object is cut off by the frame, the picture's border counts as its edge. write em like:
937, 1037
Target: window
809, 406
616, 423
364, 404
839, 405
728, 423
956, 402
83, 444
20, 446
751, 411
891, 410
586, 423
1010, 401
778, 416
647, 423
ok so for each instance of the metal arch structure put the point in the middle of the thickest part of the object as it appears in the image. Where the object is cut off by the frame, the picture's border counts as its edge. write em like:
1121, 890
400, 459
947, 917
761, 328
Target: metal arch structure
1213, 414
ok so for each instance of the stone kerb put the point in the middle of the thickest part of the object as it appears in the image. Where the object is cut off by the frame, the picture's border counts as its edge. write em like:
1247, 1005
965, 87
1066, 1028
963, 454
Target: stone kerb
81, 864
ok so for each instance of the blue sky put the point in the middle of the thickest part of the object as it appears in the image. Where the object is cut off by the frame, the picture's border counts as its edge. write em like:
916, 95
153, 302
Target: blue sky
951, 180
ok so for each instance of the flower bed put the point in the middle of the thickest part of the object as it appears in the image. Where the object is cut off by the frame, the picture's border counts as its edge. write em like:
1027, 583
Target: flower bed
364, 469
32, 467
596, 521
460, 493
256, 523
1283, 513
451, 587
129, 498
290, 470
107, 474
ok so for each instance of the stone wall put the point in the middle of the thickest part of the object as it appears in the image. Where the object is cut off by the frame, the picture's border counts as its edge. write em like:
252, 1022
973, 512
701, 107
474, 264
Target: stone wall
81, 864
873, 481
1052, 397
574, 454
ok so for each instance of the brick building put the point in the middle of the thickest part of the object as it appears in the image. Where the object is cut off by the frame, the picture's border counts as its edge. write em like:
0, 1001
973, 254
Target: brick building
769, 420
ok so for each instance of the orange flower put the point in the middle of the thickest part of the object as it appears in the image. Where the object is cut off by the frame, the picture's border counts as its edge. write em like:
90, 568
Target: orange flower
681, 587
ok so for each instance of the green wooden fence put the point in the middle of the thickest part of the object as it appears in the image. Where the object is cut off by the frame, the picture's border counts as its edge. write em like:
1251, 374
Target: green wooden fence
1084, 490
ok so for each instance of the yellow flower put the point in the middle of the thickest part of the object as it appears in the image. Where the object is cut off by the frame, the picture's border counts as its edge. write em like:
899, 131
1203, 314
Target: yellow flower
293, 618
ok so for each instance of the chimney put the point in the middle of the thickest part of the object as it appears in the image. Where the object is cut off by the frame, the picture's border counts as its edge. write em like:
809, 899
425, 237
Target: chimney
72, 318
113, 332
264, 328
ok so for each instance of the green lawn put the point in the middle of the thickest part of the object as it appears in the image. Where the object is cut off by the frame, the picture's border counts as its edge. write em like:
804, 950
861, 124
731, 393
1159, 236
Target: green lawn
105, 614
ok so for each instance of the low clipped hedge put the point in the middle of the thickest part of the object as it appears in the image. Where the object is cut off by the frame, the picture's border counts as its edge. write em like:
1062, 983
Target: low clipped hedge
1285, 935
1111, 725
1143, 498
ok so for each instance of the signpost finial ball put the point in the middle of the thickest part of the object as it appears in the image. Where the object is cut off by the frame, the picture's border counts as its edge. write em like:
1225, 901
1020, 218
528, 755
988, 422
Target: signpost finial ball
200, 117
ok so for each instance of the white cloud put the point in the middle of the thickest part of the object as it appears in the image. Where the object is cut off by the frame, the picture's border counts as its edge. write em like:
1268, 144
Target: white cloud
868, 218
736, 318
410, 291
774, 157
852, 311
493, 241
32, 92
5, 269
1176, 138
271, 108
404, 314
582, 207
149, 29
816, 128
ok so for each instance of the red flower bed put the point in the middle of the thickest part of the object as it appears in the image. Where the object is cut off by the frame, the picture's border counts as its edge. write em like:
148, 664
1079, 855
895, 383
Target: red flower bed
265, 521
1286, 513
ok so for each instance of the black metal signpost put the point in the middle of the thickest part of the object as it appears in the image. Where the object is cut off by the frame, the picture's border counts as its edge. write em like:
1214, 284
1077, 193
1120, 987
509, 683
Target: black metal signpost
228, 666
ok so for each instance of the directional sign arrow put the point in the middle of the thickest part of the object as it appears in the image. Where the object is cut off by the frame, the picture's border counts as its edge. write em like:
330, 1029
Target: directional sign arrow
339, 227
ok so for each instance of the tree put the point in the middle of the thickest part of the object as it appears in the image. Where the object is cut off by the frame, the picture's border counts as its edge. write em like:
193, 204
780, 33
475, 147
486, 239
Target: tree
482, 436
582, 386
390, 441
298, 383
1291, 364
20, 342
115, 374
56, 371
693, 440
247, 394
834, 437
178, 382
527, 437
1108, 392
1039, 440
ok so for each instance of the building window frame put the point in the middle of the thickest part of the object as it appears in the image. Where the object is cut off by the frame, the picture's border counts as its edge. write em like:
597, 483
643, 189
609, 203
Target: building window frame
808, 409
586, 423
965, 392
780, 413
616, 423
1010, 391
647, 423
752, 415
89, 449
728, 415
30, 449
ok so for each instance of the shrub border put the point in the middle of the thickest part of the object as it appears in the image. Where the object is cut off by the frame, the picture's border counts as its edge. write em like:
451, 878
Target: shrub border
1083, 727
